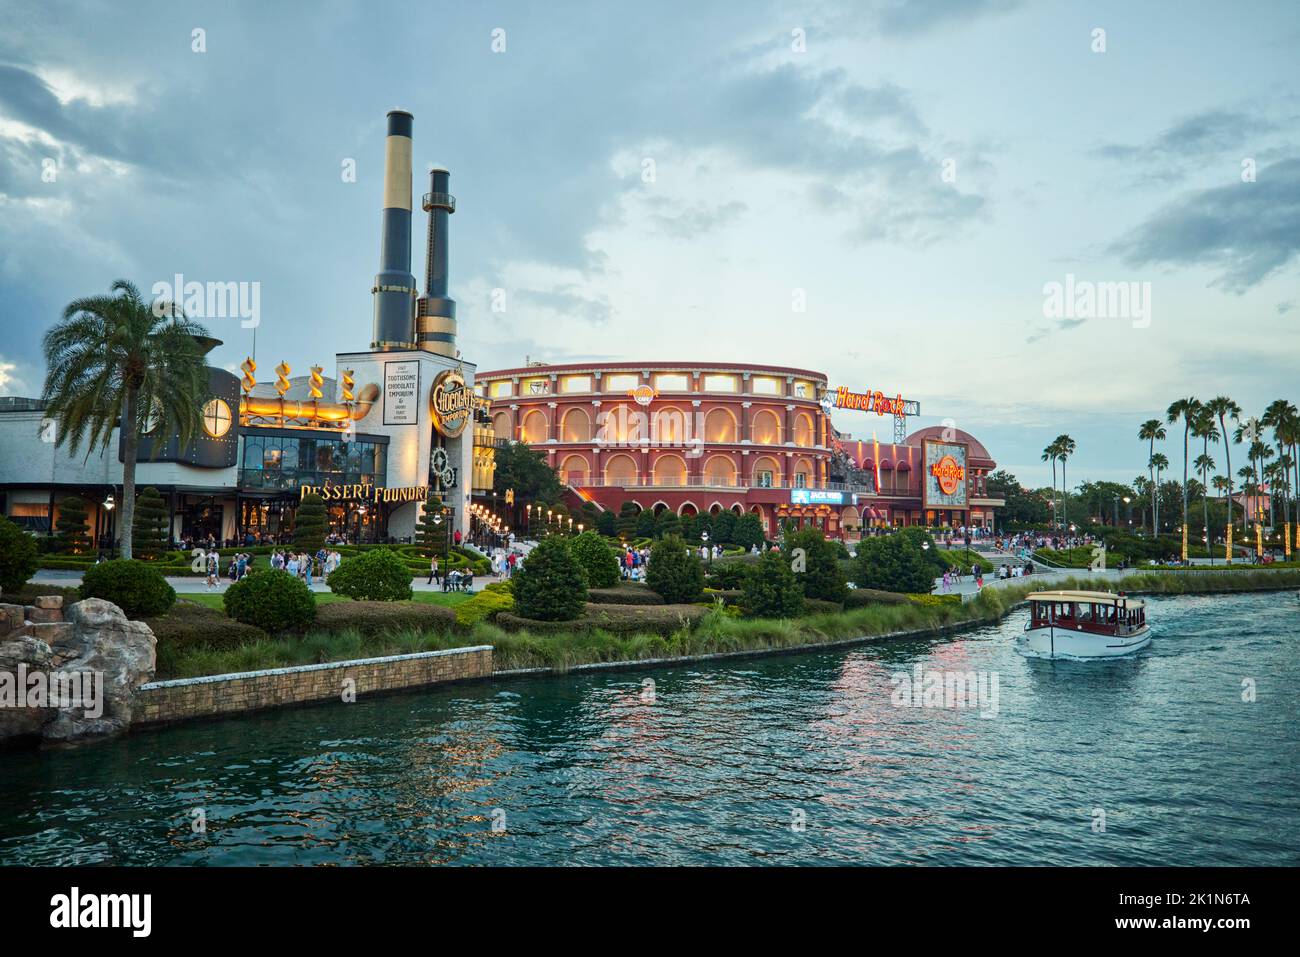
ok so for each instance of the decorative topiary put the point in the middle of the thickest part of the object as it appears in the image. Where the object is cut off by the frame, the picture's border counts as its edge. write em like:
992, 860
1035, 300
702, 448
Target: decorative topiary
150, 533
821, 577
597, 559
132, 585
607, 524
18, 558
74, 533
770, 590
433, 536
625, 524
668, 524
273, 600
749, 531
551, 585
375, 575
724, 528
645, 524
893, 563
309, 524
675, 571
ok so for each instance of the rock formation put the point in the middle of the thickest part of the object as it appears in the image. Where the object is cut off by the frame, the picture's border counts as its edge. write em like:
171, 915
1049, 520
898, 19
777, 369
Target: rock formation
91, 652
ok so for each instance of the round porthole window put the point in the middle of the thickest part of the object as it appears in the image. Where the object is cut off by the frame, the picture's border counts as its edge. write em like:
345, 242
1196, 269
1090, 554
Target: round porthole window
216, 418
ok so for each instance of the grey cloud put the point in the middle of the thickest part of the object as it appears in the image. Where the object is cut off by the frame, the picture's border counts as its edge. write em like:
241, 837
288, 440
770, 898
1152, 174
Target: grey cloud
1247, 231
1169, 156
692, 222
567, 301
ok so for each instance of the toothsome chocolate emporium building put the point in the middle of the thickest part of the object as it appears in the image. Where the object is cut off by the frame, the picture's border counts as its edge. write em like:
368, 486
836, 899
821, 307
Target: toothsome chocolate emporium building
394, 423
703, 437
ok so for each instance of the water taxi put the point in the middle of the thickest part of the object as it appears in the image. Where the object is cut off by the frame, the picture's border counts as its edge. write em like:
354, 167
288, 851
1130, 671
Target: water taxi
1084, 624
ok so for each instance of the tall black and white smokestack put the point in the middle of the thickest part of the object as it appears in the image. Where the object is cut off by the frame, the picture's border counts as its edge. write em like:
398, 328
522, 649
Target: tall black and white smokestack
394, 288
435, 322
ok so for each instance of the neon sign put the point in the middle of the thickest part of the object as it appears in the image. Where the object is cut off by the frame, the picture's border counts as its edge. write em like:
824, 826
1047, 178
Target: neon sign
643, 394
948, 473
876, 402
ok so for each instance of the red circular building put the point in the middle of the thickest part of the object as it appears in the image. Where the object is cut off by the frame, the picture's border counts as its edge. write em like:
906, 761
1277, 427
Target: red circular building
703, 437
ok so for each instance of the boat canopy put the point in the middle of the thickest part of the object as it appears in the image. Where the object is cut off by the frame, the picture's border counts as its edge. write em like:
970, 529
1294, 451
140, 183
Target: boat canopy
1087, 597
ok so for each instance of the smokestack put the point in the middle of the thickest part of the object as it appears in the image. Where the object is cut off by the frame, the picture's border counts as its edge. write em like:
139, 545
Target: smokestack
435, 323
394, 288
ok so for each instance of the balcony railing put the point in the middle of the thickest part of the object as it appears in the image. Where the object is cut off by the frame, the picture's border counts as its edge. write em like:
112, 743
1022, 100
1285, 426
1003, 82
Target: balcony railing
704, 481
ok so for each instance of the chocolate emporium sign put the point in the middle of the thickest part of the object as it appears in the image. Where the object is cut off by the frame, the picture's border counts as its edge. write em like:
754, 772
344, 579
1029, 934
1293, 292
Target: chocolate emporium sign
451, 403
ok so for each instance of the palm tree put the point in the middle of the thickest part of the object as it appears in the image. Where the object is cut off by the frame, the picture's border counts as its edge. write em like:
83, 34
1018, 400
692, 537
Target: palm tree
1149, 431
1204, 465
1158, 463
1186, 409
1251, 489
1260, 453
1221, 406
114, 362
1049, 454
1280, 416
1144, 487
1064, 449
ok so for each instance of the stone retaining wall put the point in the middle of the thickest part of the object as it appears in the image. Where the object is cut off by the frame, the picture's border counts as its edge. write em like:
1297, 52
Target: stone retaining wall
185, 698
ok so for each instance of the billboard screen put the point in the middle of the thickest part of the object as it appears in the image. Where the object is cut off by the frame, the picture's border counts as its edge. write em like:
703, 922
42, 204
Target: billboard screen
944, 480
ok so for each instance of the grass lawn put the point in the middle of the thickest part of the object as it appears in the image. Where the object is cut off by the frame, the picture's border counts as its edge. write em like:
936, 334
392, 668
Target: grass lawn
214, 599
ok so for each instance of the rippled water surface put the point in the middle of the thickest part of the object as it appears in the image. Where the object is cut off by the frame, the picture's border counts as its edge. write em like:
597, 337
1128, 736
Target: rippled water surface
580, 770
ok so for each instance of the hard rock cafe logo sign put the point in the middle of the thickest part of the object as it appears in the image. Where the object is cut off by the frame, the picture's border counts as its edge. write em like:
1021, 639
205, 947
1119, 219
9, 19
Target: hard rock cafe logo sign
643, 394
868, 401
451, 403
948, 473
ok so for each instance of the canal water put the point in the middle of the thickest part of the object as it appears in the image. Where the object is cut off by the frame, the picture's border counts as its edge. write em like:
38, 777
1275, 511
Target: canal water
800, 759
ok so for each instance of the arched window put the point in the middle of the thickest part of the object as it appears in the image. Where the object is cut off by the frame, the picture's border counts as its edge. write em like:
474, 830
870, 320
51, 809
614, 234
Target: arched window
620, 470
534, 428
720, 426
576, 426
669, 470
765, 428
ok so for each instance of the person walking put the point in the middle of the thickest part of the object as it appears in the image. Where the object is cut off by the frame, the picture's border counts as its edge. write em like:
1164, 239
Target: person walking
433, 570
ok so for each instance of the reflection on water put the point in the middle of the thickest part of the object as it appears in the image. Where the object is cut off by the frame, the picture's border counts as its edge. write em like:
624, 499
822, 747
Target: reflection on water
795, 759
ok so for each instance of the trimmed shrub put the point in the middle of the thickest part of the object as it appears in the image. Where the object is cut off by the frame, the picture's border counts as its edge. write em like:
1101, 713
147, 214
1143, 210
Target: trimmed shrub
862, 597
597, 559
551, 585
645, 524
614, 619
724, 527
675, 571
771, 589
822, 577
374, 618
817, 606
191, 625
379, 575
893, 563
74, 533
272, 600
607, 524
668, 524
749, 531
730, 597
309, 524
624, 595
484, 606
18, 557
137, 588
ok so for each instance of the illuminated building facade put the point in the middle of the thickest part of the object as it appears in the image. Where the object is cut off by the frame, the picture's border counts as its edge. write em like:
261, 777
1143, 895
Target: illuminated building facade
702, 437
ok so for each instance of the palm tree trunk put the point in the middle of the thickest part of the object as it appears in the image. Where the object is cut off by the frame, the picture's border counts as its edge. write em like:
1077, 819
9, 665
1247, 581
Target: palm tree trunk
1151, 452
1056, 512
1064, 517
1227, 452
130, 448
1186, 428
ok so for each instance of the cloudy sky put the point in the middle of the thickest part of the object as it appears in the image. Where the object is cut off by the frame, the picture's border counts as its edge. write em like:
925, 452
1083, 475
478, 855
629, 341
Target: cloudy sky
673, 180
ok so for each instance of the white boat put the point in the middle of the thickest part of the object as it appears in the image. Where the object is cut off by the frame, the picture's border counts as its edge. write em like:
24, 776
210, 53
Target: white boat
1084, 624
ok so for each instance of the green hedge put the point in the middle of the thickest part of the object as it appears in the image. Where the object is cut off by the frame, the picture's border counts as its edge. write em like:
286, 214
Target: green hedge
625, 595
614, 619
862, 597
379, 575
191, 625
378, 617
